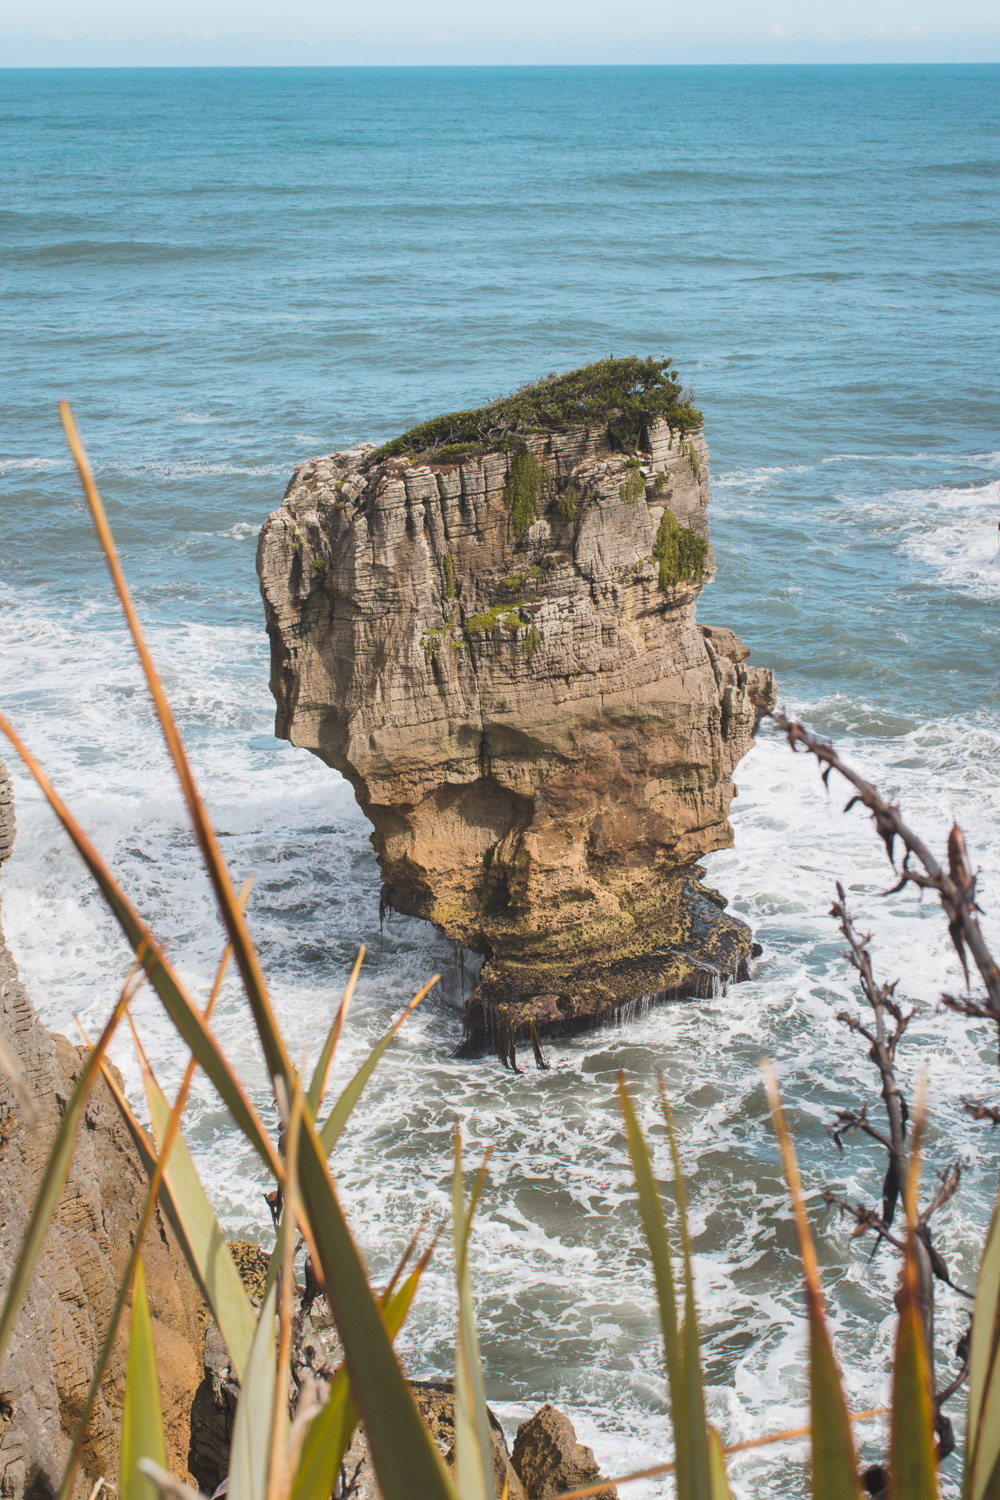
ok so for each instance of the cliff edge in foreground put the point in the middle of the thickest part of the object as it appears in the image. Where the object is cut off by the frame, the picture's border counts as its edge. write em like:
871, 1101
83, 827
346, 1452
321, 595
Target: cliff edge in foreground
488, 626
47, 1368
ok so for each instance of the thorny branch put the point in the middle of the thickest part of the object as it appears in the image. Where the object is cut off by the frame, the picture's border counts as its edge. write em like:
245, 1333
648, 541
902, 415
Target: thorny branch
956, 886
956, 890
888, 1024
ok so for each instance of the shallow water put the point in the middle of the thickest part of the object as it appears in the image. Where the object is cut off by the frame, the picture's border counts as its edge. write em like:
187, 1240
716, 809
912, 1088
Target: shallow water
229, 272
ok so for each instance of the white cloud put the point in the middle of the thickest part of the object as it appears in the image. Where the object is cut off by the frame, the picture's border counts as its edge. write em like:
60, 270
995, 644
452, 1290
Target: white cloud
779, 34
900, 33
829, 34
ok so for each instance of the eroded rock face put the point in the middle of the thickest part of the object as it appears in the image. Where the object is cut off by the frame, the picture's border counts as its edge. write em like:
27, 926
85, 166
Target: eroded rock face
540, 732
47, 1368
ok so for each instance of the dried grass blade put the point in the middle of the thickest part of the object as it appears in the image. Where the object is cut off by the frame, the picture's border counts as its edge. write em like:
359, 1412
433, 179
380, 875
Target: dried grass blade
246, 957
22, 1093
186, 1017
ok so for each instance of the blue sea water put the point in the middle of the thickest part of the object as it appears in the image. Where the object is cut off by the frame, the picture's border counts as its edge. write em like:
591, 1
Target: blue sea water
227, 272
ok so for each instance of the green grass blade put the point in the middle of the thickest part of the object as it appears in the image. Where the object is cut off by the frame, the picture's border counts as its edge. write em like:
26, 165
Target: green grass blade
651, 1212
912, 1456
204, 1241
834, 1461
142, 1422
341, 1111
982, 1449
330, 1430
147, 1155
718, 1479
406, 1459
321, 1073
698, 1467
474, 1475
53, 1178
252, 1429
912, 1446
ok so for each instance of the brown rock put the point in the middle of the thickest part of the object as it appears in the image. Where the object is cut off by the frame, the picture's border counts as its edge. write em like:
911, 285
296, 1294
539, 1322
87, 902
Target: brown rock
541, 735
549, 1460
47, 1368
436, 1400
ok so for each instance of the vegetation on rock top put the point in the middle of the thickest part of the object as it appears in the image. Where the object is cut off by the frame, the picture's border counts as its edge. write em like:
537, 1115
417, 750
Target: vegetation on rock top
626, 394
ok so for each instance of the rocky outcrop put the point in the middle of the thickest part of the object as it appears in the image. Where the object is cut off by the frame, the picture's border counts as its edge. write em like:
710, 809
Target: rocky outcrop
436, 1400
317, 1346
500, 653
46, 1371
549, 1460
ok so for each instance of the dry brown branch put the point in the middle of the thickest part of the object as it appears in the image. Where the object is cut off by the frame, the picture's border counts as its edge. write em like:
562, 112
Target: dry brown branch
956, 886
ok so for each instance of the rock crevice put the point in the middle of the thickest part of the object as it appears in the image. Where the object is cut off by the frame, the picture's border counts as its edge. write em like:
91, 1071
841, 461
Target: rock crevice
518, 690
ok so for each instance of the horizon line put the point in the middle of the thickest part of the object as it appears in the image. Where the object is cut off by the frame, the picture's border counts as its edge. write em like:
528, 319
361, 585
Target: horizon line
186, 67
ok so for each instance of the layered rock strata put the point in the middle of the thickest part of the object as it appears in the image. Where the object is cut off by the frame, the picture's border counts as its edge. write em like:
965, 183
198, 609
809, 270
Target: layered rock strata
539, 730
46, 1371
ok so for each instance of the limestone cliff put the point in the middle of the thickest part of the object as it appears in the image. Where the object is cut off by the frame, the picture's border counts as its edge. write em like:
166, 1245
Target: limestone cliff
46, 1371
497, 646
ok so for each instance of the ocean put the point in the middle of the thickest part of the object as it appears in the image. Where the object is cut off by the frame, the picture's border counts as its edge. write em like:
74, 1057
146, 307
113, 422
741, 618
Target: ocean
228, 272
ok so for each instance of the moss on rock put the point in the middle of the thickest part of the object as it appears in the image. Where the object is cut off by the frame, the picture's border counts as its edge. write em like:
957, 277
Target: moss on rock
521, 491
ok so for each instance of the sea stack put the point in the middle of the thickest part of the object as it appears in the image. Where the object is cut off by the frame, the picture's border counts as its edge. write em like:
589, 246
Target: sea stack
488, 626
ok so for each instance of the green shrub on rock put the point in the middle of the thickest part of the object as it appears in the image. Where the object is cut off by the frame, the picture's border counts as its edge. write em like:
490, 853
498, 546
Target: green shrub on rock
624, 394
680, 552
568, 502
634, 486
532, 642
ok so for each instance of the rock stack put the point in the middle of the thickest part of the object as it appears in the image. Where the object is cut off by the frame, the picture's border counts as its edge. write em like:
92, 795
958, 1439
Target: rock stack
499, 650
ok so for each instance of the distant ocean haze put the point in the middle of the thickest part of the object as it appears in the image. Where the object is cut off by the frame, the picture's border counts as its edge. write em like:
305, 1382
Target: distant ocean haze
229, 272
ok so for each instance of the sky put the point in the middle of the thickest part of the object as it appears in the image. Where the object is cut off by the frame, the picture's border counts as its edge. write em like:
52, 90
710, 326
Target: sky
107, 33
